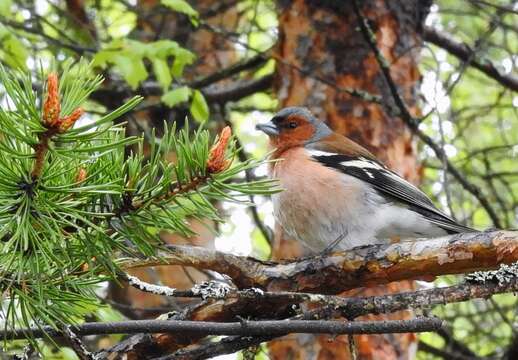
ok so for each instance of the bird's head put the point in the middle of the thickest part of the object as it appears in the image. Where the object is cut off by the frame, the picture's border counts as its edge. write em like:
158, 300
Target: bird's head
294, 126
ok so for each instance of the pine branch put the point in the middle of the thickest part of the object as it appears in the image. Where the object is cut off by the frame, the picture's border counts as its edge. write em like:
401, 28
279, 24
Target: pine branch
175, 189
40, 152
72, 201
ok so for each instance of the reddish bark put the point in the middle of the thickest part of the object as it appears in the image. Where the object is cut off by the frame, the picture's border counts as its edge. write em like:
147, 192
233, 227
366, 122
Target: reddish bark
323, 39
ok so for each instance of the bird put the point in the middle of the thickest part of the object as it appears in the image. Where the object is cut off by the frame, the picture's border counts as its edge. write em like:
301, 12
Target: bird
337, 195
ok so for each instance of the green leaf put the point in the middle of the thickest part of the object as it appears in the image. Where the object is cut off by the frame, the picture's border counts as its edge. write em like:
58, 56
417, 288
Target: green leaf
162, 73
199, 107
12, 50
176, 96
182, 58
181, 6
5, 7
132, 69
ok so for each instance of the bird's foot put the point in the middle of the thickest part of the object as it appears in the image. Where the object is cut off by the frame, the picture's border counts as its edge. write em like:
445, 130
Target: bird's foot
329, 248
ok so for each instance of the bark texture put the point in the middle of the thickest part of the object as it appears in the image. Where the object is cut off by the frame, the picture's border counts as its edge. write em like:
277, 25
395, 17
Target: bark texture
320, 39
365, 265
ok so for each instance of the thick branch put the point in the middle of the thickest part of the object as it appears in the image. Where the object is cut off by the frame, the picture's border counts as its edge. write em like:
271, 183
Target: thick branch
478, 285
367, 265
464, 53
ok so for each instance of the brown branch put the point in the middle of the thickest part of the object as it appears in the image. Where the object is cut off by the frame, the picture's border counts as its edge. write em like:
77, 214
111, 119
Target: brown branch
175, 189
349, 307
464, 53
244, 327
357, 306
362, 266
353, 307
40, 151
247, 64
227, 345
239, 89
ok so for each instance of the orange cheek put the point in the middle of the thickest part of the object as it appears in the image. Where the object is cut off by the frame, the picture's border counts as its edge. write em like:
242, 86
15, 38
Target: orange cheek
302, 133
291, 138
294, 136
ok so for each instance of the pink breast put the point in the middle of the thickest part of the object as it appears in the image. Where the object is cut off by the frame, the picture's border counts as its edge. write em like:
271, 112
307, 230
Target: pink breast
315, 198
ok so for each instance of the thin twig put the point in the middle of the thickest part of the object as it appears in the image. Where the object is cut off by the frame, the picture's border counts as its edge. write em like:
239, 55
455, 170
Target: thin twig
463, 52
249, 176
227, 345
413, 124
362, 94
19, 26
76, 344
204, 290
245, 328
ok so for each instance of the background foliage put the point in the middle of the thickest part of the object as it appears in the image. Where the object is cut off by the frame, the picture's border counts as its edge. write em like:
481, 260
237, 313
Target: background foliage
473, 117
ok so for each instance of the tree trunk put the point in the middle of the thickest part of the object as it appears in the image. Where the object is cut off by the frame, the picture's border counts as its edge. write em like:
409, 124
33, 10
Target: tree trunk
321, 40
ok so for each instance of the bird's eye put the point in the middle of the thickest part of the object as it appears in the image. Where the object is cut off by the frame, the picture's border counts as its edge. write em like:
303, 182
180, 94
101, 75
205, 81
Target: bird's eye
292, 125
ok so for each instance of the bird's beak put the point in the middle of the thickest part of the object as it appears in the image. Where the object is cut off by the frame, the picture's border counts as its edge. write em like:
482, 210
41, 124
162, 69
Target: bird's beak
269, 128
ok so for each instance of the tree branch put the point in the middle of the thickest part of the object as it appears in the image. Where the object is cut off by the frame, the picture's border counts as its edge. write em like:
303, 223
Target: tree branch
56, 42
478, 285
353, 307
247, 64
358, 267
239, 89
244, 327
464, 53
76, 344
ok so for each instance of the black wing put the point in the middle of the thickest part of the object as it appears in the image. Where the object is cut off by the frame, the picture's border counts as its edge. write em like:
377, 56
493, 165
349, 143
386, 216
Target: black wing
390, 184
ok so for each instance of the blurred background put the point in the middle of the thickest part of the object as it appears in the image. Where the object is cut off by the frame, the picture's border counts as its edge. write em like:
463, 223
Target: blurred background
234, 62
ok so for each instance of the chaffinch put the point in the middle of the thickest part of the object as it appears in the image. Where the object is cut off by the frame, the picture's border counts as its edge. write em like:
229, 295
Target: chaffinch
337, 194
